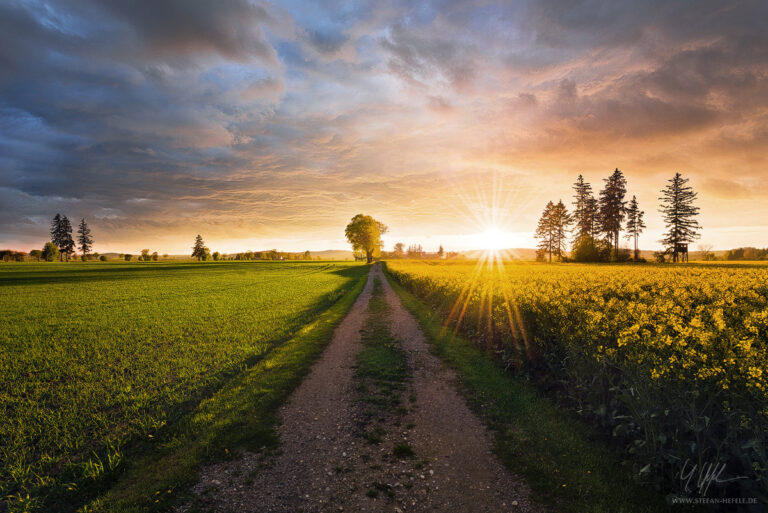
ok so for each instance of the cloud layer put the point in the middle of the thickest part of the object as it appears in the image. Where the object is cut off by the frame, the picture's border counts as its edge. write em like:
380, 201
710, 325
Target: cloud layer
254, 123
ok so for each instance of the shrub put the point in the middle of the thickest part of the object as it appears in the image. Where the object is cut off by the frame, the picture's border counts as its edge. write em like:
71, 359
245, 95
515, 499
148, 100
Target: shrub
587, 249
50, 252
128, 257
103, 258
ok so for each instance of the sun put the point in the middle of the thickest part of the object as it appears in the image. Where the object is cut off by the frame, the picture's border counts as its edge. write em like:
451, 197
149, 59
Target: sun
492, 239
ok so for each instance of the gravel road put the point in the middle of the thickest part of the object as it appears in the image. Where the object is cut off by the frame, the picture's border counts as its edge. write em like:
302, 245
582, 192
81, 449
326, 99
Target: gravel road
326, 465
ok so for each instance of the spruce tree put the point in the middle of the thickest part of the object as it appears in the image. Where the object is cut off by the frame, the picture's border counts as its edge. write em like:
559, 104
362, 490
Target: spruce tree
679, 214
198, 250
545, 231
582, 209
67, 245
560, 220
84, 238
635, 223
56, 231
613, 208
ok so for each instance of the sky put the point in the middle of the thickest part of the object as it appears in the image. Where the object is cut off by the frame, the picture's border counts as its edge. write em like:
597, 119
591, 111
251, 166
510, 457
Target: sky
262, 125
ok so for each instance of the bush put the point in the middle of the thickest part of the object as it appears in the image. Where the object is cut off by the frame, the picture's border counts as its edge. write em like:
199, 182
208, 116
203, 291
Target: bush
50, 252
103, 258
128, 257
587, 249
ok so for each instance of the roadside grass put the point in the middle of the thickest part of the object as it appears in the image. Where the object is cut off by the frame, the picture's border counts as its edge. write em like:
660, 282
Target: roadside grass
562, 459
240, 416
382, 367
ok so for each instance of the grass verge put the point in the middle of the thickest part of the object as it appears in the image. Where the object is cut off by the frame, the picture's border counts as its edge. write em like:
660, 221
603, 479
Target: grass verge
565, 464
240, 416
382, 367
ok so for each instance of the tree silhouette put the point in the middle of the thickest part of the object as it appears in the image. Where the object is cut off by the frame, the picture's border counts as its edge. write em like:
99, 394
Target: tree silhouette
679, 214
545, 230
584, 210
198, 250
440, 251
635, 223
61, 235
560, 221
613, 208
58, 235
364, 233
84, 238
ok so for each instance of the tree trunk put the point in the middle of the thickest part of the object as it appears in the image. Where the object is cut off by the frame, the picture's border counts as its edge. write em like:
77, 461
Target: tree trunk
369, 256
636, 255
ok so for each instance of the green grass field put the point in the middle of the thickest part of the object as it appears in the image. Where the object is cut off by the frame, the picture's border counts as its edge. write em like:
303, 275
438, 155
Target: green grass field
100, 359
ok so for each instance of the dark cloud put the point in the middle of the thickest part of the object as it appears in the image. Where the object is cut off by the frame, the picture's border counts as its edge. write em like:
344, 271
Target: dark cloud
233, 29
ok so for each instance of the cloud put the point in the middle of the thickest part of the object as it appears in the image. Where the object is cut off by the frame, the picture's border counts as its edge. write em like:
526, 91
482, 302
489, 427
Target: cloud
250, 118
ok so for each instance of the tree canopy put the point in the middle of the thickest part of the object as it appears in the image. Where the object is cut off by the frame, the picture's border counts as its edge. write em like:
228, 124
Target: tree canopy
364, 234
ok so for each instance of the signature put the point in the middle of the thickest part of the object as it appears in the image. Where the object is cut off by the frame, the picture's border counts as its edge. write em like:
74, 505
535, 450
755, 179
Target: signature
695, 478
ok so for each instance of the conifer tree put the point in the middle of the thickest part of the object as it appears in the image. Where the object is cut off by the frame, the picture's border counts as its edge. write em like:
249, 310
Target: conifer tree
56, 232
61, 235
545, 231
635, 223
613, 208
84, 238
198, 250
584, 210
560, 222
679, 214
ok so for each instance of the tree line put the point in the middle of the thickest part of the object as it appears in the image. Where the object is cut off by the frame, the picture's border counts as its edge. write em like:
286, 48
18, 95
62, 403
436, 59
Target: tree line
201, 252
593, 230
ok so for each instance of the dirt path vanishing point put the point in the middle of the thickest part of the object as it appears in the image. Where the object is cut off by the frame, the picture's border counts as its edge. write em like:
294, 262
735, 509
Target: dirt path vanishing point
326, 465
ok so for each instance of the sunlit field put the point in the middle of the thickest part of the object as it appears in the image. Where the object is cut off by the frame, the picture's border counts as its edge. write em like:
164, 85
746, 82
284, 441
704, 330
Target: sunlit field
95, 356
670, 361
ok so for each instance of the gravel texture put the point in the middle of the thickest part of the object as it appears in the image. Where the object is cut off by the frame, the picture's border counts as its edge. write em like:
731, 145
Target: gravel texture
326, 465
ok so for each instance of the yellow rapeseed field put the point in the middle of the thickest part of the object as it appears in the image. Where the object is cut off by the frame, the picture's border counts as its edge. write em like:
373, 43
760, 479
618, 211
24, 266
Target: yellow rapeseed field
671, 358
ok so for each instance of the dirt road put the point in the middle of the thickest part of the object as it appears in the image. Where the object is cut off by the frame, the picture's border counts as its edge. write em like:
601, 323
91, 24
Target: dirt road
326, 464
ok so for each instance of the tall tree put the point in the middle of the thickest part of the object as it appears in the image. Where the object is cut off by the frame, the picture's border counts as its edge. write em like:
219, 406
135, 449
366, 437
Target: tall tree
399, 250
613, 208
545, 230
679, 214
440, 251
84, 238
56, 234
584, 211
198, 250
66, 242
560, 221
364, 233
635, 223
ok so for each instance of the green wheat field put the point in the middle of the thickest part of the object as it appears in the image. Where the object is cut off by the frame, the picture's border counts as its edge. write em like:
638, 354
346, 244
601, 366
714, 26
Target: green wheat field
131, 350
